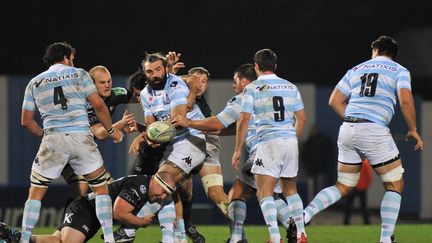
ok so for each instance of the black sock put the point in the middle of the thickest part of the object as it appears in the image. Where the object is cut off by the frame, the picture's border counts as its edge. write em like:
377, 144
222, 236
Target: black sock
187, 213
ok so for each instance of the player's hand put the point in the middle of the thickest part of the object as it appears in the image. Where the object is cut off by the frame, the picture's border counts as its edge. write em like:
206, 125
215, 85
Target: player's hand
147, 220
172, 58
131, 127
414, 135
177, 67
150, 142
135, 145
180, 121
117, 136
236, 159
127, 119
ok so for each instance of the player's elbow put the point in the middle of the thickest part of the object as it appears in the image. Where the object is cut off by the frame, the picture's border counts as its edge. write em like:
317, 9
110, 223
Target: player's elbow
218, 126
25, 123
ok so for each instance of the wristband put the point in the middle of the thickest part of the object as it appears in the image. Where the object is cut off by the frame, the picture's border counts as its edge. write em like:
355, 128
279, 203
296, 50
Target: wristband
110, 131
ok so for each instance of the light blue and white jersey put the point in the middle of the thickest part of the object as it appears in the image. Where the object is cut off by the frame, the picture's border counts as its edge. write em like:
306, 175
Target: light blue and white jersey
60, 95
158, 103
273, 101
230, 115
372, 87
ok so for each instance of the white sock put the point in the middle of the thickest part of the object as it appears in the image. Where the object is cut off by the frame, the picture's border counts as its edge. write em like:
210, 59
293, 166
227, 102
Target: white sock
322, 200
30, 218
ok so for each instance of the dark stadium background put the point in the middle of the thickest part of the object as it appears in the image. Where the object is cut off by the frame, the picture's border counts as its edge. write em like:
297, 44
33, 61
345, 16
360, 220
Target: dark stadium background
316, 42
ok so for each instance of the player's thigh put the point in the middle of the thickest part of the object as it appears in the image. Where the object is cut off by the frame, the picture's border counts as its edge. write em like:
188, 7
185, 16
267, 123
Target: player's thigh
347, 152
186, 154
52, 156
86, 156
289, 157
71, 235
268, 159
377, 144
207, 169
213, 150
240, 191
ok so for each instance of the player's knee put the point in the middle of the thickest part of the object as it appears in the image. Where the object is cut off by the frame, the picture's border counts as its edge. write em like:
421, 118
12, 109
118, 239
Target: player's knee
211, 181
74, 178
393, 175
99, 180
38, 180
348, 179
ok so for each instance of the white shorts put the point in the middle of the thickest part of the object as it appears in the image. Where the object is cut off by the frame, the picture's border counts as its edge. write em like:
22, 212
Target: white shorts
58, 149
187, 153
368, 140
213, 150
277, 158
244, 173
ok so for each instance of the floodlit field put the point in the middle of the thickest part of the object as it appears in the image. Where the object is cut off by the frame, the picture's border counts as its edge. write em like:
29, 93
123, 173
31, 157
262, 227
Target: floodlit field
406, 233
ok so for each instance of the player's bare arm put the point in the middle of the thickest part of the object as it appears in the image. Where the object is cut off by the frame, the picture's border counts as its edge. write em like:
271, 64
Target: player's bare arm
193, 83
406, 101
122, 211
209, 124
124, 124
242, 126
27, 121
300, 121
104, 117
338, 103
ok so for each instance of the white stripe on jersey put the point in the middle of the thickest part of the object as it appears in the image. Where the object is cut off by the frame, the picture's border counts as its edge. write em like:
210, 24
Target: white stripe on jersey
60, 95
273, 101
372, 87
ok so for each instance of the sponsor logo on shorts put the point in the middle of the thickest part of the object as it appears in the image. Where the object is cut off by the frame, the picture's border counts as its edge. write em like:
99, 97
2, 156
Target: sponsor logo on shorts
258, 162
188, 160
86, 228
68, 218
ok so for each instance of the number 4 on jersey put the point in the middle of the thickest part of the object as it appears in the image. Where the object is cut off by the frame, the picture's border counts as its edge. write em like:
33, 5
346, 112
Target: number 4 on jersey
59, 97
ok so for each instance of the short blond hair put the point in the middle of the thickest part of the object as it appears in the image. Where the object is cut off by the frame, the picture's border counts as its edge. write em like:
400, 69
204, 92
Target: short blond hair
97, 68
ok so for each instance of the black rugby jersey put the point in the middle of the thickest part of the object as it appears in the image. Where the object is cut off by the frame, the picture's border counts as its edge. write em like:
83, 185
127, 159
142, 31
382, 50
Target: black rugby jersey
118, 96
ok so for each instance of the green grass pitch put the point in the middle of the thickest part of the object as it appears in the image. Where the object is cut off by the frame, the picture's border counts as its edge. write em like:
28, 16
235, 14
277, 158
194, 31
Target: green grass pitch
405, 233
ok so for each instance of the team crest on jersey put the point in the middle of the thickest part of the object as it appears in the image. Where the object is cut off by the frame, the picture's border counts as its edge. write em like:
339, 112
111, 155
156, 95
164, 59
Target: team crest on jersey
143, 189
174, 84
150, 98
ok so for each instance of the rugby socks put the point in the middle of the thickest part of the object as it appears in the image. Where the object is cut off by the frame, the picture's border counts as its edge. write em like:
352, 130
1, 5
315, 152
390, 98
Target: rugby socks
322, 200
390, 206
268, 208
296, 207
187, 213
30, 218
104, 215
179, 231
166, 218
237, 216
283, 212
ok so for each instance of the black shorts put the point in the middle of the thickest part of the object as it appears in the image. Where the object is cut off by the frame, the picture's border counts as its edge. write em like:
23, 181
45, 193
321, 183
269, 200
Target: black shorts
148, 159
81, 215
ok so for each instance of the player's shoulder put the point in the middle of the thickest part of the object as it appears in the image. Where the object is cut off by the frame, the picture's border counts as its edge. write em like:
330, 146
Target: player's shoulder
174, 81
236, 99
141, 182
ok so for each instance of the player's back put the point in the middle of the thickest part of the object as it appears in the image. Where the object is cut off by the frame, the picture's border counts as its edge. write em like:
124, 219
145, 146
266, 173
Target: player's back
274, 102
372, 87
60, 96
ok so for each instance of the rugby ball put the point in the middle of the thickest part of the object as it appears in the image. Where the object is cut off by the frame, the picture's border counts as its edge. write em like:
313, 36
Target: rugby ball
161, 132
